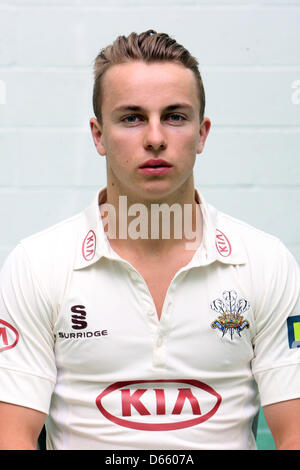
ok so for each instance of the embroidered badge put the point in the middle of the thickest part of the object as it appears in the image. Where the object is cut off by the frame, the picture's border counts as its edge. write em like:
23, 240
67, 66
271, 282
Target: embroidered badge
230, 310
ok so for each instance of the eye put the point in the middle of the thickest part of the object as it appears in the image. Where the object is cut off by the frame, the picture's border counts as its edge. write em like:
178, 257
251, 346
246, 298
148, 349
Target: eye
178, 116
131, 121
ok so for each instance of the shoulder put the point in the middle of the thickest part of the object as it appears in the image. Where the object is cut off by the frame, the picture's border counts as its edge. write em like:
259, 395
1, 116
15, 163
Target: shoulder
55, 241
54, 244
267, 261
47, 257
252, 240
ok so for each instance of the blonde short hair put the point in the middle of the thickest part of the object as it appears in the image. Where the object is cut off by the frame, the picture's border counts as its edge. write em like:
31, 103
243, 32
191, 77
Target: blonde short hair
148, 46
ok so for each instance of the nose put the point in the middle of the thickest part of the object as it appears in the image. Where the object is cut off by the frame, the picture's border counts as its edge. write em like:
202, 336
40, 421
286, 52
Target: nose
154, 137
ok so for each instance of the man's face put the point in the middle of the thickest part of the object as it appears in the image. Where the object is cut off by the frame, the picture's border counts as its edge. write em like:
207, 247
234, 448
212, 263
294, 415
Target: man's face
164, 125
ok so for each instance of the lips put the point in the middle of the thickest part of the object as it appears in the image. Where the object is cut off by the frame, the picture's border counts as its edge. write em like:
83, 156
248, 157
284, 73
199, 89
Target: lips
155, 167
155, 162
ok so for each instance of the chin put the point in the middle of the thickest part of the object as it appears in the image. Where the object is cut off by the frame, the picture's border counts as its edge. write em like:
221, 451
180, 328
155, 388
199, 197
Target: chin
155, 192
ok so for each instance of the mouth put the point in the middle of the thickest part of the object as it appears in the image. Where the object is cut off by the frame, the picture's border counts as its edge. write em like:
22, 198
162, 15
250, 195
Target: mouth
155, 162
155, 167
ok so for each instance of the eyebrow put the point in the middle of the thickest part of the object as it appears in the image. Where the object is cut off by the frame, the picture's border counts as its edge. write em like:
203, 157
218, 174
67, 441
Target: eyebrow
171, 107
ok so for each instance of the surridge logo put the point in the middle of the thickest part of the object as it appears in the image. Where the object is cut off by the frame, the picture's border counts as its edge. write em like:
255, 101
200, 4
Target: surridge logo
79, 319
158, 405
79, 322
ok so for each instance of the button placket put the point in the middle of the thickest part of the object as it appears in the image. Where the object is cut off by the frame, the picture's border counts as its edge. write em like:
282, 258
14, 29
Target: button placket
159, 359
158, 327
159, 341
163, 327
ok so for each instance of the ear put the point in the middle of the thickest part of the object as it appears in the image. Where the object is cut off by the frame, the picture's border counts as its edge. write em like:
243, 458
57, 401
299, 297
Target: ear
97, 135
204, 130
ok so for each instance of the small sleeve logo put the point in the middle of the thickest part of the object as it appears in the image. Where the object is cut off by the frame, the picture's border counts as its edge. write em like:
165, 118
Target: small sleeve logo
9, 336
293, 326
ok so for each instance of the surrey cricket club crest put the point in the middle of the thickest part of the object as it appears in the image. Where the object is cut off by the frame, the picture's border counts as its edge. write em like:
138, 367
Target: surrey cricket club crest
230, 309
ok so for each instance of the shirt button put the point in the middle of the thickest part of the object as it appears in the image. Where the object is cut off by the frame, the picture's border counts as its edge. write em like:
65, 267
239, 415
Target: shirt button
134, 276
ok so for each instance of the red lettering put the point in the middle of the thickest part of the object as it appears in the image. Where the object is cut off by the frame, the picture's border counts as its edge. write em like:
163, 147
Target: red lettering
4, 336
186, 394
222, 249
91, 240
133, 400
223, 244
89, 246
160, 401
169, 423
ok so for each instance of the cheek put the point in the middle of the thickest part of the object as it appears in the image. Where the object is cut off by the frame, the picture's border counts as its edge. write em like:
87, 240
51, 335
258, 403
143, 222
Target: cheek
120, 142
186, 150
118, 151
185, 139
120, 160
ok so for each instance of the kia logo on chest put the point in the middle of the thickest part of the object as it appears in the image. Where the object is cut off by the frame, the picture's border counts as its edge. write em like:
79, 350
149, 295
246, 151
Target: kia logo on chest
89, 246
8, 336
158, 405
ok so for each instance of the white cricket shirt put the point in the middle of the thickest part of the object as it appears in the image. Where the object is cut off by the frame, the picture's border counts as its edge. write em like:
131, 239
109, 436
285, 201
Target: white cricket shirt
80, 338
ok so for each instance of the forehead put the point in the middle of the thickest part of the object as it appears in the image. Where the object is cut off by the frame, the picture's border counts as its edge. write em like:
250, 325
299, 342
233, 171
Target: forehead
148, 84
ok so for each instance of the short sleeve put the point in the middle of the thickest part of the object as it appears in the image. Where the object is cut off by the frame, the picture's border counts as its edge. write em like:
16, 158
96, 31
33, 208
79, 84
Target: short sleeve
276, 363
27, 361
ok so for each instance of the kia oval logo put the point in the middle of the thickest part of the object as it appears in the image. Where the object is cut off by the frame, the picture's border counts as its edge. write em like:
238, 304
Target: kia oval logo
223, 244
8, 336
89, 246
142, 403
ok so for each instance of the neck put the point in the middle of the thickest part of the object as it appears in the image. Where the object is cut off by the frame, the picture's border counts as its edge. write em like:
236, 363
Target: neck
152, 226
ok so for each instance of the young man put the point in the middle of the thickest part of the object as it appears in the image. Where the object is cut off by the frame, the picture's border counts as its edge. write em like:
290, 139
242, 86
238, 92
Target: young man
149, 342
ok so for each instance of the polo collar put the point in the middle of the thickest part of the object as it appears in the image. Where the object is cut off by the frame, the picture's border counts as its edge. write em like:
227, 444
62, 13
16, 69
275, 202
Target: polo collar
220, 242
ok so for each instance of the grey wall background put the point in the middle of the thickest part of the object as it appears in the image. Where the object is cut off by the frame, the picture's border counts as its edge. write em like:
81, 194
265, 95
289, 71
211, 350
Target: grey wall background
250, 62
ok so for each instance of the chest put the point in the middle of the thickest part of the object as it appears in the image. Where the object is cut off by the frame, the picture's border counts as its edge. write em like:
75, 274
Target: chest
114, 354
158, 275
113, 309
